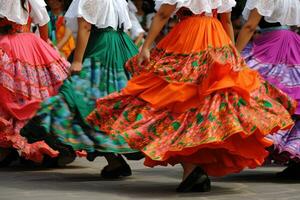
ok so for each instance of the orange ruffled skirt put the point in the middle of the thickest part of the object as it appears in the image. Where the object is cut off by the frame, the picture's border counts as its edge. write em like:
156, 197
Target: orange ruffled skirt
196, 102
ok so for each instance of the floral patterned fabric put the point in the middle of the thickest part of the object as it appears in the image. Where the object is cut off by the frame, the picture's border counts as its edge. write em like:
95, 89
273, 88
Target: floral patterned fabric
61, 119
203, 107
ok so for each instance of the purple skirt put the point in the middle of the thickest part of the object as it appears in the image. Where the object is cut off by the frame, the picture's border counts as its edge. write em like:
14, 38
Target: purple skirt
276, 56
287, 144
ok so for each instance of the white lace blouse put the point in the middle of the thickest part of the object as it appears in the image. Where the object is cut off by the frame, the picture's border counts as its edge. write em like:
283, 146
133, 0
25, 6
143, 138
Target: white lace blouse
199, 6
101, 13
13, 11
286, 12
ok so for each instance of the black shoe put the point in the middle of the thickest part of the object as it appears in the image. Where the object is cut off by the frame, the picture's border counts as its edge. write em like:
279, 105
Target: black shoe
123, 170
12, 156
291, 172
197, 181
66, 156
91, 156
134, 156
202, 187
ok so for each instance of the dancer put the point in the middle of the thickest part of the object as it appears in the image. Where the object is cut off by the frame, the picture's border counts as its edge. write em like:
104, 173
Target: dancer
30, 71
60, 35
275, 54
193, 100
103, 47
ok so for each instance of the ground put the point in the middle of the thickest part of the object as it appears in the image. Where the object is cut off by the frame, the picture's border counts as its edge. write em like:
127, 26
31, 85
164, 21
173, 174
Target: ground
81, 181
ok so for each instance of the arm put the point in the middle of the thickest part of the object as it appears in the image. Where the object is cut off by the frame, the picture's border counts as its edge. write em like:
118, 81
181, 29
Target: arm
139, 39
227, 25
64, 40
160, 19
84, 30
248, 30
44, 32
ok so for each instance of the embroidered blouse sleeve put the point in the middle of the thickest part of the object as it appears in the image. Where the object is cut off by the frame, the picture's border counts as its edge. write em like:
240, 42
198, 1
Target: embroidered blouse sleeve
286, 12
199, 6
38, 12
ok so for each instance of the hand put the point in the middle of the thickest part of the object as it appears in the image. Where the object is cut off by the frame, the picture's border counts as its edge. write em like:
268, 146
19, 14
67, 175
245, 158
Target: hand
144, 56
76, 67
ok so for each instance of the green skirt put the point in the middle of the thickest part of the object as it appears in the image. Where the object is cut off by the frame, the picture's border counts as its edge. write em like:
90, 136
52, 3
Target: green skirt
61, 118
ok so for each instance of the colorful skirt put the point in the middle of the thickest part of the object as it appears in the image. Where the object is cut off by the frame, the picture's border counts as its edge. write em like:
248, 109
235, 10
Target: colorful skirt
276, 56
30, 72
61, 119
196, 102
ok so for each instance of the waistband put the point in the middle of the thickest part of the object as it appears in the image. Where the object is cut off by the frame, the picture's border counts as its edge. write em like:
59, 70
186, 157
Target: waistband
275, 28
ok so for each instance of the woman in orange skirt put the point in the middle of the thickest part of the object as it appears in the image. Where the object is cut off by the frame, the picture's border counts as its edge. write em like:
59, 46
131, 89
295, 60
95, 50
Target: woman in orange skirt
192, 100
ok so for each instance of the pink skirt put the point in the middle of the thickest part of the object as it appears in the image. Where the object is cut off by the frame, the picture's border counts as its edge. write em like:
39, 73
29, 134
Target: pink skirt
30, 71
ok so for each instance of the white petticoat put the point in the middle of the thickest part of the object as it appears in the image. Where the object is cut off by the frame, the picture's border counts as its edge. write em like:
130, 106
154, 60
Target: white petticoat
13, 11
286, 12
199, 6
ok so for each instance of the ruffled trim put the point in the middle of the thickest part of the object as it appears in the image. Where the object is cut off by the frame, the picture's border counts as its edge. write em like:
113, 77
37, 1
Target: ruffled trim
199, 6
280, 68
286, 12
13, 11
286, 144
10, 138
224, 133
101, 13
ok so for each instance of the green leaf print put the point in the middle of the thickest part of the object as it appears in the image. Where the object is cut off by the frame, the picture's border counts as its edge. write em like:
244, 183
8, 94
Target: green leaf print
152, 129
242, 102
139, 117
222, 106
117, 105
268, 104
195, 64
253, 128
139, 134
200, 119
126, 135
211, 117
125, 115
176, 125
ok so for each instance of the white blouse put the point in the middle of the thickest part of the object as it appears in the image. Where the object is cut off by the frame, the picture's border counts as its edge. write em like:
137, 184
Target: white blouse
286, 12
199, 6
101, 13
13, 11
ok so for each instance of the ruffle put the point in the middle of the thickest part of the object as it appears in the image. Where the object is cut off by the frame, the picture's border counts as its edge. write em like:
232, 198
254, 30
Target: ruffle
101, 13
13, 11
10, 137
286, 12
215, 130
199, 6
287, 144
196, 102
275, 55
